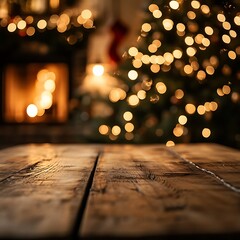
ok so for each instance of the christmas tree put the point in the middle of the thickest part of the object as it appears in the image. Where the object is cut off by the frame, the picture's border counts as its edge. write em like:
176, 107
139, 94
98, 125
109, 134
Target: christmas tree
180, 83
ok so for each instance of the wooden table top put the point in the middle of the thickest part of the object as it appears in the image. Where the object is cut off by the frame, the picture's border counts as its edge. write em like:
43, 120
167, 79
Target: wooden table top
77, 191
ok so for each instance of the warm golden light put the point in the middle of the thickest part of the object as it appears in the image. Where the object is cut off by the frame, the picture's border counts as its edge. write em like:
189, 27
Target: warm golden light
11, 27
104, 129
226, 39
42, 24
133, 51
226, 89
178, 131
238, 50
129, 127
98, 70
232, 55
41, 112
210, 70
201, 75
213, 106
86, 14
153, 59
117, 94
21, 24
182, 119
153, 7
233, 33
235, 97
132, 74
190, 108
221, 17
116, 130
180, 27
189, 40
191, 51
161, 87
174, 4
42, 75
195, 4
46, 100
179, 94
157, 13
54, 4
237, 20
32, 110
141, 94
49, 85
168, 24
208, 30
157, 43
170, 144
145, 59
81, 20
137, 63
160, 59
133, 100
220, 92
155, 68
88, 24
205, 42
30, 31
152, 48
128, 116
195, 65
177, 53
226, 25
139, 56
64, 19
206, 132
201, 110
168, 57
188, 69
191, 15
199, 38
146, 27
205, 9
214, 61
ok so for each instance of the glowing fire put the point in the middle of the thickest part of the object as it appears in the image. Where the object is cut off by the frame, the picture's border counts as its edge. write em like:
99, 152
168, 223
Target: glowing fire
44, 88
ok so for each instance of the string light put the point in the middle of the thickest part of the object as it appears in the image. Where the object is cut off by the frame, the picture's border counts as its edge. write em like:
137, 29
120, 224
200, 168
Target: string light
170, 143
206, 132
201, 41
174, 4
168, 24
27, 26
32, 110
132, 74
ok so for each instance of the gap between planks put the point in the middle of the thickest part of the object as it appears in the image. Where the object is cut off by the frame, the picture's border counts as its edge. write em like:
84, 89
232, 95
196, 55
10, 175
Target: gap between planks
206, 171
84, 201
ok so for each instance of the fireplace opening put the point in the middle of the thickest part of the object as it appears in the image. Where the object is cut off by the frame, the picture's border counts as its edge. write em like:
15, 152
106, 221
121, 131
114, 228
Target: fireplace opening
36, 93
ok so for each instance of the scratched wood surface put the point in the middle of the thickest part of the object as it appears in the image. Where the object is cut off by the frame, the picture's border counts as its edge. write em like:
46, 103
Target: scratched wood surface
41, 189
219, 161
157, 192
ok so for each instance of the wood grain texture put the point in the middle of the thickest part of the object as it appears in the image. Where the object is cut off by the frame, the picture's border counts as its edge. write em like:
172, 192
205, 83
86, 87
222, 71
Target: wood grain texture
41, 188
219, 161
153, 192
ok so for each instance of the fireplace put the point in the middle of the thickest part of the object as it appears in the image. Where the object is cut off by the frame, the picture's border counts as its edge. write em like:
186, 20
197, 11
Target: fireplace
35, 93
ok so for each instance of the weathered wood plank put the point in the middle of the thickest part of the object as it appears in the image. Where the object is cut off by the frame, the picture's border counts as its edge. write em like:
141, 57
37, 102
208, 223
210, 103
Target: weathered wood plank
41, 188
219, 161
150, 191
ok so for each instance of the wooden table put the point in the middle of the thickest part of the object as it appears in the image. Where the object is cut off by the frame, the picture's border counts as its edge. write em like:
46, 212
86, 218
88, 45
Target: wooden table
119, 192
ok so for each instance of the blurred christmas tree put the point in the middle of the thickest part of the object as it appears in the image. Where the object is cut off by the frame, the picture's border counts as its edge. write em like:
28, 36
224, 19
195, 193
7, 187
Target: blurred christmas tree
182, 80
